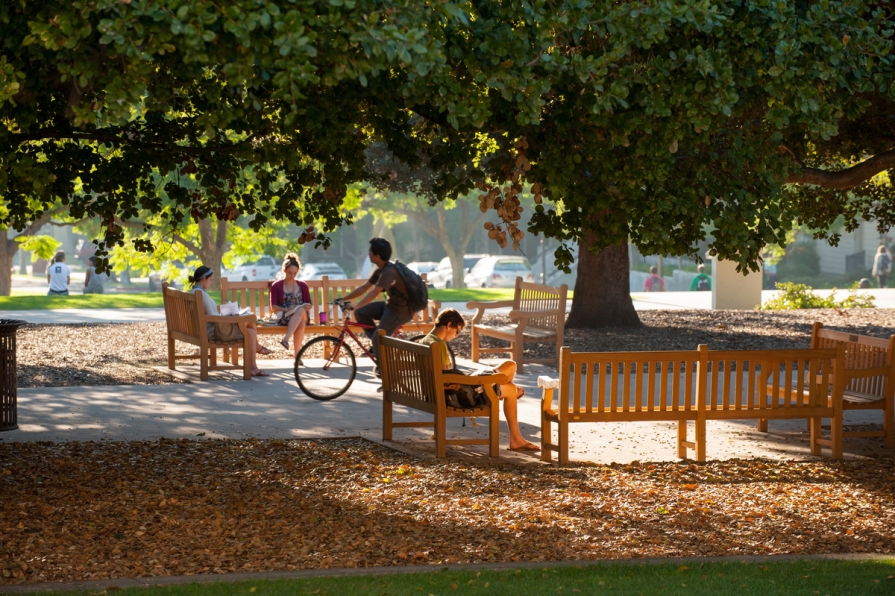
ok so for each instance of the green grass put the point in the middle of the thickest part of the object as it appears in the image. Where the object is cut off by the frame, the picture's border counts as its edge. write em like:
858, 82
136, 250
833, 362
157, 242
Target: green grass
688, 579
144, 300
467, 294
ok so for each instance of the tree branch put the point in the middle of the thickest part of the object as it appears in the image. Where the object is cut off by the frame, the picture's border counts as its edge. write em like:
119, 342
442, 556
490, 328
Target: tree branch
192, 247
848, 178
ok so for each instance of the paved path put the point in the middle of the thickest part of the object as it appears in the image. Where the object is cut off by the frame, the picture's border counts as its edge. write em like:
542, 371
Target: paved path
274, 407
642, 301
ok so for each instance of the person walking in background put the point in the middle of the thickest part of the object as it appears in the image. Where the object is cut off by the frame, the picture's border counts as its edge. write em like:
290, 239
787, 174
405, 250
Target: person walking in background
292, 299
94, 283
654, 283
702, 282
58, 276
882, 265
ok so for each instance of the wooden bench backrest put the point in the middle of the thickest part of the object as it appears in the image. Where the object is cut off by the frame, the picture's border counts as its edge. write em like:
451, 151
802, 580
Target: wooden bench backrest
531, 297
184, 314
256, 295
869, 368
410, 375
756, 380
653, 383
611, 382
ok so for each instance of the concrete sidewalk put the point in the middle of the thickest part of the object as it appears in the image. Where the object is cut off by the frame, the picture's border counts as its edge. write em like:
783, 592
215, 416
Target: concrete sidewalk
274, 407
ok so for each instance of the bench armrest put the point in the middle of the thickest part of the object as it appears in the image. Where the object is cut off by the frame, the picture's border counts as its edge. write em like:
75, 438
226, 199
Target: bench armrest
550, 386
481, 307
471, 380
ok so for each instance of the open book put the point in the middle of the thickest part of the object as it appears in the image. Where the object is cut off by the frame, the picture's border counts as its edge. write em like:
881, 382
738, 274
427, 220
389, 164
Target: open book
232, 308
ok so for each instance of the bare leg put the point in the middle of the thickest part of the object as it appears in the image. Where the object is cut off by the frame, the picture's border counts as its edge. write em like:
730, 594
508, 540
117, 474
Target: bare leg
510, 393
250, 356
298, 334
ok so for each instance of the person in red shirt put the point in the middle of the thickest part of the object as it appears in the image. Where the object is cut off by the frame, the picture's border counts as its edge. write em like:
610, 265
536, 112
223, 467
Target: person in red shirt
654, 283
292, 299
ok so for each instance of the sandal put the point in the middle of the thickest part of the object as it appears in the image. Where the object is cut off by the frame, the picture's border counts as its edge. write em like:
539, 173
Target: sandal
285, 343
519, 393
526, 447
261, 373
265, 351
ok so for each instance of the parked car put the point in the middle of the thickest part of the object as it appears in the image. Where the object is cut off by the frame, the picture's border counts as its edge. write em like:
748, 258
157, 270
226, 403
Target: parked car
259, 268
318, 270
423, 267
443, 278
499, 272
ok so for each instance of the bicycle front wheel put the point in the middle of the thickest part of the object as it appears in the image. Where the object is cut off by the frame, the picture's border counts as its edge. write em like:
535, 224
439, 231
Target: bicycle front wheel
324, 368
416, 339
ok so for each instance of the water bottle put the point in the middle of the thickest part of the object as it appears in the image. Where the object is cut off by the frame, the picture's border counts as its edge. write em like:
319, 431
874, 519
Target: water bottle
322, 317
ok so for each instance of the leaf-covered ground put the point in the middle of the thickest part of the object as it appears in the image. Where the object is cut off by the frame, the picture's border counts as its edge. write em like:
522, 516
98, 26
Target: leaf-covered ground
124, 354
103, 510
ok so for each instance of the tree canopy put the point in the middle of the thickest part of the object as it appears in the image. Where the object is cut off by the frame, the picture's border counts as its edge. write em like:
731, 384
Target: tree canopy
643, 120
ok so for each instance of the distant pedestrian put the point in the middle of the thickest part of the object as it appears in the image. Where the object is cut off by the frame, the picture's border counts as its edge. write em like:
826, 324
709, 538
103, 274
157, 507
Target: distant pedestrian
654, 283
94, 283
702, 282
58, 276
882, 265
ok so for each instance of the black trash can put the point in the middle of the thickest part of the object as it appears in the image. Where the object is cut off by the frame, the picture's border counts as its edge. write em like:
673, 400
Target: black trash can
8, 385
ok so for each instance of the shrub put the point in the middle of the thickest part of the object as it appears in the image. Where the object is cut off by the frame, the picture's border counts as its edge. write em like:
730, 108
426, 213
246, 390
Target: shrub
797, 296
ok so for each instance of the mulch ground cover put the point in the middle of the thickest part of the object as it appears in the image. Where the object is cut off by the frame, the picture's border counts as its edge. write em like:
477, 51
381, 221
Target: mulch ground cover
124, 354
78, 511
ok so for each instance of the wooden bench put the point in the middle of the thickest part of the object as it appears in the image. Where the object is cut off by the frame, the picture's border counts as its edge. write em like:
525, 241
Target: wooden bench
412, 377
538, 315
681, 386
256, 295
868, 379
186, 321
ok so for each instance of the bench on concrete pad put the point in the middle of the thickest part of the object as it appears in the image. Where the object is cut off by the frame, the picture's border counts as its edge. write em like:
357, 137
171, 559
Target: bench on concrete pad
537, 315
689, 385
412, 377
186, 320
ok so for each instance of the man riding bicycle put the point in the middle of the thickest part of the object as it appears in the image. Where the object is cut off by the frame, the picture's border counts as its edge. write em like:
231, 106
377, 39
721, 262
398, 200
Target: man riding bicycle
392, 313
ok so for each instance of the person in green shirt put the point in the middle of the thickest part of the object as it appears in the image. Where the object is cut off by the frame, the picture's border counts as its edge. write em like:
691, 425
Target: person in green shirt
702, 282
448, 325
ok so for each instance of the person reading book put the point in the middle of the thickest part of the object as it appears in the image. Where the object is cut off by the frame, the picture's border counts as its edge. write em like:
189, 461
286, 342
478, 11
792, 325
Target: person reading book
291, 299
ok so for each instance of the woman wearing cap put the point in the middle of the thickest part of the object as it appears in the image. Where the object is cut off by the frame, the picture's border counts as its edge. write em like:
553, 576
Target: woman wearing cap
201, 281
292, 299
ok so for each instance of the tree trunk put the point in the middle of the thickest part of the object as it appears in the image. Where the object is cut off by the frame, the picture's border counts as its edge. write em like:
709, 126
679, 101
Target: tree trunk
212, 246
602, 289
8, 248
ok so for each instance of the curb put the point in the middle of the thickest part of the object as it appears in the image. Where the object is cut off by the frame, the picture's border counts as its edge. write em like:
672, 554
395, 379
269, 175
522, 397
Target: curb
104, 584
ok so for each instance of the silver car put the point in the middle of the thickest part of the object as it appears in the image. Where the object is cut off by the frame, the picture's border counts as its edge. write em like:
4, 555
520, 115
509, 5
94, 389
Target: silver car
443, 277
499, 272
318, 270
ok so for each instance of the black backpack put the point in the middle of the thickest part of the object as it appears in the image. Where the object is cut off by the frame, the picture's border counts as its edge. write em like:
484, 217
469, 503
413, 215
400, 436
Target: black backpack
417, 293
703, 284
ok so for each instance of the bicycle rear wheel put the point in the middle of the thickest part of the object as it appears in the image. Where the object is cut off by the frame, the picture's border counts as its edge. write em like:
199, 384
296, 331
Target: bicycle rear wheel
416, 338
328, 369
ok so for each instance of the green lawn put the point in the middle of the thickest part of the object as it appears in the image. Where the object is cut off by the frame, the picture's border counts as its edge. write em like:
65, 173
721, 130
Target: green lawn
691, 579
143, 300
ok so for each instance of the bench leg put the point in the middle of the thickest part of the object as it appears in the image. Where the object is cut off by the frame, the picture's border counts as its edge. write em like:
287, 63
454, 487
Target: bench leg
546, 437
494, 433
214, 356
762, 425
889, 424
203, 364
172, 360
518, 348
440, 437
246, 369
563, 428
814, 434
700, 440
386, 420
836, 434
681, 439
474, 338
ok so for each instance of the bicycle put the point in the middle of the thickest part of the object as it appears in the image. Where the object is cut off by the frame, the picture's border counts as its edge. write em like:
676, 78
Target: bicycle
325, 367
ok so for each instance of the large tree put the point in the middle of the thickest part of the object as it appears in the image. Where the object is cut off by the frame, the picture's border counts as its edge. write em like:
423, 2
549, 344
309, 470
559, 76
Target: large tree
641, 120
